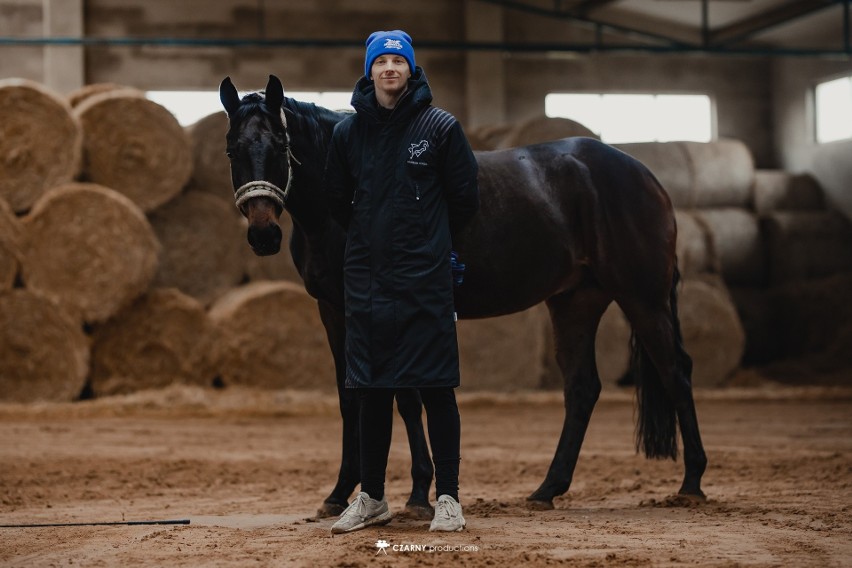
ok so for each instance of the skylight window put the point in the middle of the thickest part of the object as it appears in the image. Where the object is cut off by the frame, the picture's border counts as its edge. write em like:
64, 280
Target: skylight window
834, 110
622, 118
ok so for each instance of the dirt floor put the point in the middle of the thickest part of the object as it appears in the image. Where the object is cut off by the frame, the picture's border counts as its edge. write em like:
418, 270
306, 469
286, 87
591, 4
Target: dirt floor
249, 469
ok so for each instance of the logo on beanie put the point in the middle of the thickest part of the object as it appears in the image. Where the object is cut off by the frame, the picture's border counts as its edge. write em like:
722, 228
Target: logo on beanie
393, 44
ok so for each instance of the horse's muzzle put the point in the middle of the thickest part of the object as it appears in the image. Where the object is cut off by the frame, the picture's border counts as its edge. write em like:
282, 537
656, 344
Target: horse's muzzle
265, 240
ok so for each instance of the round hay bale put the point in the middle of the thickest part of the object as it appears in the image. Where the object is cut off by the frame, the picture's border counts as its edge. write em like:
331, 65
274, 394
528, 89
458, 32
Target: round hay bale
543, 129
698, 174
723, 172
695, 251
739, 244
135, 146
11, 246
203, 244
90, 249
270, 336
76, 97
44, 354
806, 245
164, 337
277, 266
776, 190
503, 353
489, 137
712, 332
211, 170
670, 164
612, 351
40, 142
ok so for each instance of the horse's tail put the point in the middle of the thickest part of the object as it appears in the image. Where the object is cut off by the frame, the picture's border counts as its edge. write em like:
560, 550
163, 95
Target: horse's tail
656, 428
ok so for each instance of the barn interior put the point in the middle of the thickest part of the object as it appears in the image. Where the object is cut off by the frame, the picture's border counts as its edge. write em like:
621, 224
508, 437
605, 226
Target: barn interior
761, 182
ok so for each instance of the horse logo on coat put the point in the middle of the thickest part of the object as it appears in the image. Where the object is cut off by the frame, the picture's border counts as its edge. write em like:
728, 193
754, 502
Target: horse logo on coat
416, 149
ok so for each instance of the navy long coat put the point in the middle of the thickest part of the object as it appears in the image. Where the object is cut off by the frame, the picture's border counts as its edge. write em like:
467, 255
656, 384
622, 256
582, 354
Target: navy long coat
401, 182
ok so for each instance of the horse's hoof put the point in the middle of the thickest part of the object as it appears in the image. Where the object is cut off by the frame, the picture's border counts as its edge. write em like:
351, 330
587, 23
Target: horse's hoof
329, 510
539, 504
419, 512
685, 499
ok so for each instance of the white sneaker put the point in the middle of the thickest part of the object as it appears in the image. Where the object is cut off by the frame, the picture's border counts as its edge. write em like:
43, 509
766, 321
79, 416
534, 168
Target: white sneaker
362, 512
448, 515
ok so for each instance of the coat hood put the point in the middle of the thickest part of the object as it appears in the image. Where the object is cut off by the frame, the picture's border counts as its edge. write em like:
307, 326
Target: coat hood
416, 97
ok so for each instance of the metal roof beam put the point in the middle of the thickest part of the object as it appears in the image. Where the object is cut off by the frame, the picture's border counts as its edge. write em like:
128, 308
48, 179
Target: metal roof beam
581, 18
748, 27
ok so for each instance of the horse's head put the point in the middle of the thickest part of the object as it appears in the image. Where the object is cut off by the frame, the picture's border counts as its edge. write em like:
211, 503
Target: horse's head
257, 145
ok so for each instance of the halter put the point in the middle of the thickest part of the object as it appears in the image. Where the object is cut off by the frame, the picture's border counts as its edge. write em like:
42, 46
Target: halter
261, 188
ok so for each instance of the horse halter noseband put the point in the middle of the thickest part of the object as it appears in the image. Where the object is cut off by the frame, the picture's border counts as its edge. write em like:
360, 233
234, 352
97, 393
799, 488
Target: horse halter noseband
262, 188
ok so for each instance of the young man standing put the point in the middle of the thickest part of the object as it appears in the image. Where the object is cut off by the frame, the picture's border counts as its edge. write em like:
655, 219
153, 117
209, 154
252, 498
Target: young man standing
401, 179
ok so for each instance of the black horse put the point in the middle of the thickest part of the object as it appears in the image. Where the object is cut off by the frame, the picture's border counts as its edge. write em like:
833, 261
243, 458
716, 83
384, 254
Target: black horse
574, 223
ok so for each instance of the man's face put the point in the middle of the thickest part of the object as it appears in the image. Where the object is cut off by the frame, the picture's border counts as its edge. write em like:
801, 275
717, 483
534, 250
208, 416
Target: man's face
390, 73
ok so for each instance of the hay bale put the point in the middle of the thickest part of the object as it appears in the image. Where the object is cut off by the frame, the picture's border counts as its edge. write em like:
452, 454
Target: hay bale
211, 169
698, 174
90, 249
76, 97
504, 353
543, 129
164, 337
44, 354
277, 266
11, 246
489, 137
669, 162
723, 172
712, 332
739, 244
695, 250
40, 142
776, 190
269, 335
135, 146
612, 351
203, 244
806, 245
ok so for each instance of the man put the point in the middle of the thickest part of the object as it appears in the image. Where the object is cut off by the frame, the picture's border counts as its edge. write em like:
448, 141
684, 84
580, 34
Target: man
401, 179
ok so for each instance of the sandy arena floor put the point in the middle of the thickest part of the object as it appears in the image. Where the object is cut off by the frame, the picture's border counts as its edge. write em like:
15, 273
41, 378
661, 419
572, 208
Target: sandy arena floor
249, 469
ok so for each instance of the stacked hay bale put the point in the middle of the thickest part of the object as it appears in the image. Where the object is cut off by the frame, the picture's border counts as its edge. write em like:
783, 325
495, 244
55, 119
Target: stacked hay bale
90, 249
271, 336
211, 169
40, 142
135, 146
162, 338
44, 354
11, 246
203, 243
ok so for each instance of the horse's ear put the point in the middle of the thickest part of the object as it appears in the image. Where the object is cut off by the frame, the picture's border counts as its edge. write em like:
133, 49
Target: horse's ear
274, 94
229, 96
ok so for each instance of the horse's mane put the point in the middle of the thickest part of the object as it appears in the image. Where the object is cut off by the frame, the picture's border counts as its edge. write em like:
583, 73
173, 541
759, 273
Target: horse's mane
307, 122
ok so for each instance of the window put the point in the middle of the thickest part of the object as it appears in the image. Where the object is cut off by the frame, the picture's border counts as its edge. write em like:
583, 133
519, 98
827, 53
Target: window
834, 110
191, 106
626, 118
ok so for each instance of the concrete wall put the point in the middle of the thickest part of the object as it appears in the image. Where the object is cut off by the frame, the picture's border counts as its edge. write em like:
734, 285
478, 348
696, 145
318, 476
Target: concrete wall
756, 100
793, 81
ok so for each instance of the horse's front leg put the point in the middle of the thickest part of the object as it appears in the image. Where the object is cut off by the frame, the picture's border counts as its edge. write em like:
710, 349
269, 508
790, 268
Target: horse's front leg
350, 464
575, 316
410, 408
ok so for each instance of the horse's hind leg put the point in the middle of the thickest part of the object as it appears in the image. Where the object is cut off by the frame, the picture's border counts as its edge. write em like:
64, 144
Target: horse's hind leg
663, 373
575, 315
410, 408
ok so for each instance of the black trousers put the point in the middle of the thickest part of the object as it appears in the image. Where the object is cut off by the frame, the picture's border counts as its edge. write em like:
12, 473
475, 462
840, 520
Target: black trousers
376, 426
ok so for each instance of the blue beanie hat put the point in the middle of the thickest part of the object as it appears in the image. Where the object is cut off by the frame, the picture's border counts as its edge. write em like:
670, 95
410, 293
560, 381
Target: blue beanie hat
380, 43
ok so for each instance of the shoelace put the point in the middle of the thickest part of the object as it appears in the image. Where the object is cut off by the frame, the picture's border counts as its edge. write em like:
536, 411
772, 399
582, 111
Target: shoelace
358, 507
444, 508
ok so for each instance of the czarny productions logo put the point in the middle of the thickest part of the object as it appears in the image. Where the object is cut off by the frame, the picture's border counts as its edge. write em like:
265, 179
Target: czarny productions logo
383, 545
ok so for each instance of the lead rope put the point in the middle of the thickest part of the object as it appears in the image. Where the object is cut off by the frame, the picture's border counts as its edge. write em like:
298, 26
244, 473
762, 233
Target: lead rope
262, 188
